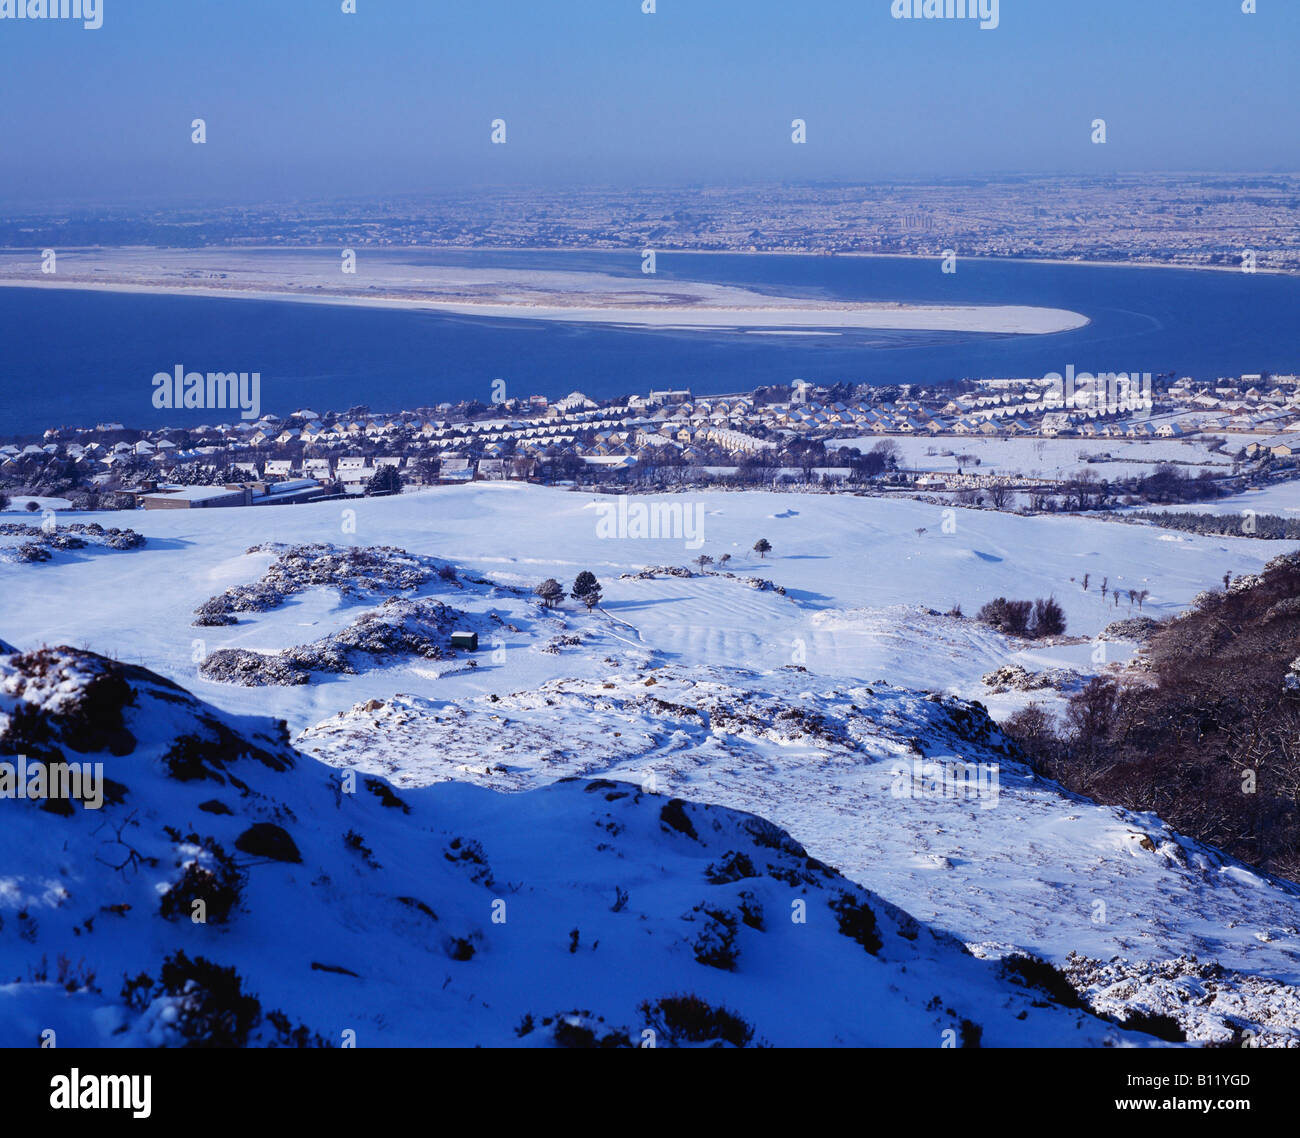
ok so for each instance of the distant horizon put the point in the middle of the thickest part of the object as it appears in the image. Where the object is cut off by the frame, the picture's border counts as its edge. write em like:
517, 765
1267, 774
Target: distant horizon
38, 205
406, 97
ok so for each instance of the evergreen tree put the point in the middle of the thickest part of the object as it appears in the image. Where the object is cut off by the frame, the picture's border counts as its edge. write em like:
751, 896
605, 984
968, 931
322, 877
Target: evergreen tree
385, 480
583, 584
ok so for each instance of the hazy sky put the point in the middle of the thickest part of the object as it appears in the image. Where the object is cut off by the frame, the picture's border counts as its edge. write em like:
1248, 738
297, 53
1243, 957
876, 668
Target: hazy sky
301, 99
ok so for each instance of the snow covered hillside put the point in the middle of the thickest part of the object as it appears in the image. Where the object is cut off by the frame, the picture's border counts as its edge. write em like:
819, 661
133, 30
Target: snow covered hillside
584, 914
794, 686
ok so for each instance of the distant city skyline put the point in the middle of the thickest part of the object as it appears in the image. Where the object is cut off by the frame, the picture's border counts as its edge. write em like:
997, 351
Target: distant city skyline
306, 101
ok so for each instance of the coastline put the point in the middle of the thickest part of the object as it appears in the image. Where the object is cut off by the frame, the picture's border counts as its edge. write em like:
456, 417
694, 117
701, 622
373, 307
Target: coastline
636, 250
970, 257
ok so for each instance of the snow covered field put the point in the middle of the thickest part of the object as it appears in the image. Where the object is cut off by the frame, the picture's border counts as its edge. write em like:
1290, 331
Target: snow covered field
1051, 458
1282, 499
859, 574
854, 641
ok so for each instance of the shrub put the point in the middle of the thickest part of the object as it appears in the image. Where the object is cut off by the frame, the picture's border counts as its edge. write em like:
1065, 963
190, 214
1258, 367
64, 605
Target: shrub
689, 1019
1033, 730
734, 866
716, 943
1049, 618
674, 815
1011, 617
1034, 972
219, 886
1024, 618
214, 1010
571, 1031
856, 920
1161, 1026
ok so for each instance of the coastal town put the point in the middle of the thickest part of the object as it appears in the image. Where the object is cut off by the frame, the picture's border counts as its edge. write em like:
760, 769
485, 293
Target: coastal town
1194, 221
1015, 442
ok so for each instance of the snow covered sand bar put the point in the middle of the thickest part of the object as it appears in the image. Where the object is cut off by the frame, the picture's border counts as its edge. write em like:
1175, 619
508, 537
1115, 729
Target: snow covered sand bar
388, 281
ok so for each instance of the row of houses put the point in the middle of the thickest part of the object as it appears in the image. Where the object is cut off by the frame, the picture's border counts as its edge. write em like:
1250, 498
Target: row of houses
640, 429
1279, 446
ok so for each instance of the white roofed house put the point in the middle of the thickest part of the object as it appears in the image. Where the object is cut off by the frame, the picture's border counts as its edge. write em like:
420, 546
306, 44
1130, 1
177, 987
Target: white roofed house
455, 470
1055, 423
279, 468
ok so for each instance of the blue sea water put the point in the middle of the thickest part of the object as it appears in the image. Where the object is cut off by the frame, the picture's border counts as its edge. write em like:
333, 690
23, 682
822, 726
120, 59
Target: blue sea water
77, 358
